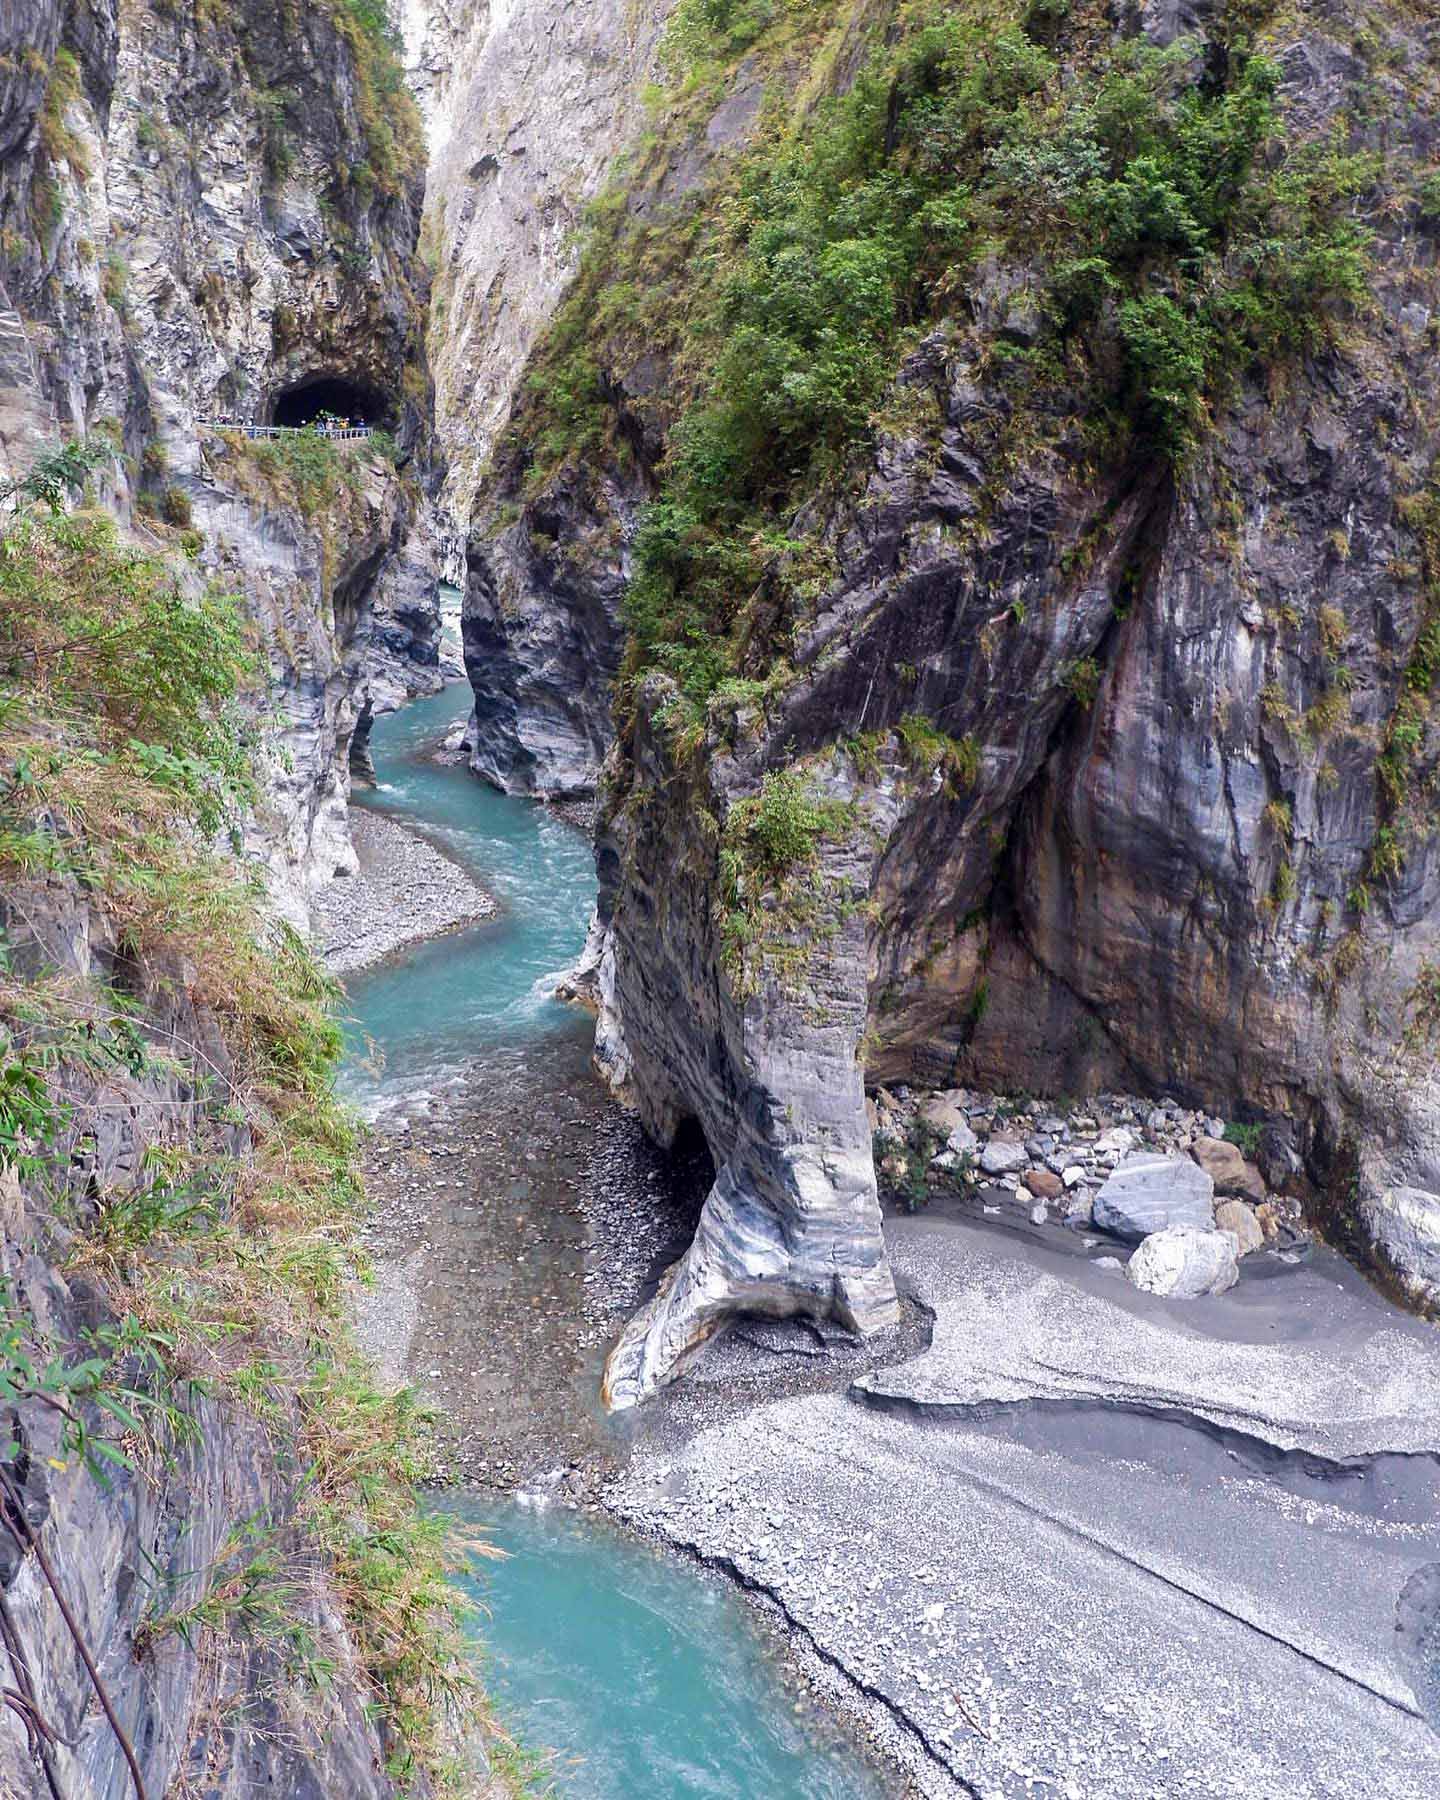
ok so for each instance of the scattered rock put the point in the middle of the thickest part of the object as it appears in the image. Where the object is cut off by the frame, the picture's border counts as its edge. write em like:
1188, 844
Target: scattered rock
1184, 1262
1149, 1193
962, 1141
943, 1112
1043, 1184
1227, 1168
404, 891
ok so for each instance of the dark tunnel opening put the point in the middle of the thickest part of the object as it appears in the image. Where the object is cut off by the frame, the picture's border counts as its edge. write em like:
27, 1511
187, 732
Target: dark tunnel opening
329, 398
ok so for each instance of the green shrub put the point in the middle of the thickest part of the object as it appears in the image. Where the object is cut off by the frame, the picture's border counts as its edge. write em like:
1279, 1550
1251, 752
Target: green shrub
175, 508
1173, 230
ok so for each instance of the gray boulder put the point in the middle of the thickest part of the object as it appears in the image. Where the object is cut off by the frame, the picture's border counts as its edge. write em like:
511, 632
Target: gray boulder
1184, 1263
962, 1141
1003, 1156
1149, 1193
1404, 1225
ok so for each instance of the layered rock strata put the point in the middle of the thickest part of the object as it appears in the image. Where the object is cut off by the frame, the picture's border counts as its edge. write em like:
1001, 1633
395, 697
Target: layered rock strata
199, 217
1167, 829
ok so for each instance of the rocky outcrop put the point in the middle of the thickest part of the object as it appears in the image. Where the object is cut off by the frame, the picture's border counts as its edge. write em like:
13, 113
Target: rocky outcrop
1127, 749
197, 218
543, 642
792, 1223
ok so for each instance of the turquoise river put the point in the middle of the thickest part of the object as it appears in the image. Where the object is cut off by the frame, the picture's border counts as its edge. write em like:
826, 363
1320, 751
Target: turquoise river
643, 1677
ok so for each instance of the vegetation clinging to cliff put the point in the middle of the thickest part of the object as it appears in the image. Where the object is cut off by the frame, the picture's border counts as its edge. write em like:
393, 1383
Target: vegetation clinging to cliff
124, 747
1130, 222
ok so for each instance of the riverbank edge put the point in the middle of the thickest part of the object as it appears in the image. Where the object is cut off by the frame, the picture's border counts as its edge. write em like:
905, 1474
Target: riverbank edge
405, 892
894, 1743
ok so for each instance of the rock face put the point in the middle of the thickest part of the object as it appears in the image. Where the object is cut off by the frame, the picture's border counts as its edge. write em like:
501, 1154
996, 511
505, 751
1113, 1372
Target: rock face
539, 98
1151, 1193
1177, 845
542, 647
1184, 1263
202, 212
256, 212
157, 1535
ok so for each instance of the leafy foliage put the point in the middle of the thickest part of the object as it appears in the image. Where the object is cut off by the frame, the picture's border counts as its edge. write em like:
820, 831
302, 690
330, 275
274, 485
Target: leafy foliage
394, 135
1171, 235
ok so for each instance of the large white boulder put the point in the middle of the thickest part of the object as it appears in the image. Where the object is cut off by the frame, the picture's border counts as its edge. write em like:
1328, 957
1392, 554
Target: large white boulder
1183, 1263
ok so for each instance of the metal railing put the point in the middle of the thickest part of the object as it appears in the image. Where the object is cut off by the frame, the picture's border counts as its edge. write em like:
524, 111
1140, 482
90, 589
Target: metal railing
341, 432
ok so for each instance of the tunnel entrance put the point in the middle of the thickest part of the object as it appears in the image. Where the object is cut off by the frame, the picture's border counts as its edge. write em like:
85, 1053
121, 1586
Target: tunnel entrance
327, 397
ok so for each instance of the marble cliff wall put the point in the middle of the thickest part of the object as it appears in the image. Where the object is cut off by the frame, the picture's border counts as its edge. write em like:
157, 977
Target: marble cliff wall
201, 214
1150, 836
540, 98
200, 210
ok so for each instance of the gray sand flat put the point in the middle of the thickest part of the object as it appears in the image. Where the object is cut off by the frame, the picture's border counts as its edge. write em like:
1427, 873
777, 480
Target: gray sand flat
1118, 1633
1097, 1546
1008, 1330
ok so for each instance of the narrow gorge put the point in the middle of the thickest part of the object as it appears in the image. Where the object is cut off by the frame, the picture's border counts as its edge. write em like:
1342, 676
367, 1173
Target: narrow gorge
719, 936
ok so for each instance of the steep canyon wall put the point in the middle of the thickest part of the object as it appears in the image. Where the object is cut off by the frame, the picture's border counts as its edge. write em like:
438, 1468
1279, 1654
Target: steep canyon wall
1029, 680
203, 215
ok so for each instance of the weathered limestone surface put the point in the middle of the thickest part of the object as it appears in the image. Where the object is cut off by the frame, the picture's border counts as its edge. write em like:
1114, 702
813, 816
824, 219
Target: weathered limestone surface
542, 645
539, 97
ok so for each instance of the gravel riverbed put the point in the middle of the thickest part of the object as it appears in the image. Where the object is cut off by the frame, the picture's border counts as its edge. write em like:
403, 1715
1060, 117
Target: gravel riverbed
1054, 1536
404, 891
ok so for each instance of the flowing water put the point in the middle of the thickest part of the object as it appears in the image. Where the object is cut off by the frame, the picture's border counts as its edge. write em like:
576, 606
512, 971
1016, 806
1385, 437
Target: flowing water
486, 989
647, 1678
